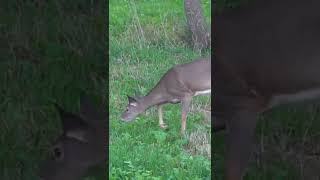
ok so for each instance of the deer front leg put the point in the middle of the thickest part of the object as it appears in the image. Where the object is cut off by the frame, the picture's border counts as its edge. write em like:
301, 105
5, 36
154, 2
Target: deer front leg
185, 103
241, 129
161, 122
218, 123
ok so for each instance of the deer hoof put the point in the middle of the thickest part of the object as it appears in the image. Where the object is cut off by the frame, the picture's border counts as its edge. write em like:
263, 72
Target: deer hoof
163, 126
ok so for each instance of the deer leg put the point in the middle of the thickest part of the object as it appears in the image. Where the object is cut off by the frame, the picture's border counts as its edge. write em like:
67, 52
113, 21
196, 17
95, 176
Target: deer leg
218, 123
185, 103
160, 114
241, 129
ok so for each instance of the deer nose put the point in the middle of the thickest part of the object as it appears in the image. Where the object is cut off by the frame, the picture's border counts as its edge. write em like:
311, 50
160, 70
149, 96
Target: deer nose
126, 119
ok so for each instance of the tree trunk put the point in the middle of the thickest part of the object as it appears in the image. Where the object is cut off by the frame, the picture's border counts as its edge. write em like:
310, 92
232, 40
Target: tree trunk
201, 36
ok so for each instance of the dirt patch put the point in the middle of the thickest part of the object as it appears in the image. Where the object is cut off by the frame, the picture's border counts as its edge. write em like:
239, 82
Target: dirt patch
199, 141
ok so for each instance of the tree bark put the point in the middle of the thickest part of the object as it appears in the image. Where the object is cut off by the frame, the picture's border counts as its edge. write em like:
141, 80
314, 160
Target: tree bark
201, 36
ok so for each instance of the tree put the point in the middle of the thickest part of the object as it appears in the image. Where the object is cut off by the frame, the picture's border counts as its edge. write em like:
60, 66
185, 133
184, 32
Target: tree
201, 35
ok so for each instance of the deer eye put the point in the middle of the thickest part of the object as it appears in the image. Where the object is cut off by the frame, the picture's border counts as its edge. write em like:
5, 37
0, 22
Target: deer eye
57, 153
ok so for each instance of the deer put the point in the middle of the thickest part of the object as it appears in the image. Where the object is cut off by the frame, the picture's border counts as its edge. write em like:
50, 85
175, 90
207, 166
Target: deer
178, 85
266, 55
83, 143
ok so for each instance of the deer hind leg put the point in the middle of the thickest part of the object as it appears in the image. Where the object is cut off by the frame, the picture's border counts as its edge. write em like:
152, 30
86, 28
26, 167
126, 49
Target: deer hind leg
241, 129
162, 124
218, 123
185, 103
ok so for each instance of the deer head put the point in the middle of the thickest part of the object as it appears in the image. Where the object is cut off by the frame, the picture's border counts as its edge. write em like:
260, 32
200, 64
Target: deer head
83, 143
134, 108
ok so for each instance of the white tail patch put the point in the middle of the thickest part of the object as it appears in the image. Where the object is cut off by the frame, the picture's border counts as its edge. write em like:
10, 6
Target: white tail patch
207, 91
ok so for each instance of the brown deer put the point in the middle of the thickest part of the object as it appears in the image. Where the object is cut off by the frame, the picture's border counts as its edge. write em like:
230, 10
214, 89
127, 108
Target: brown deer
82, 145
267, 54
182, 82
179, 84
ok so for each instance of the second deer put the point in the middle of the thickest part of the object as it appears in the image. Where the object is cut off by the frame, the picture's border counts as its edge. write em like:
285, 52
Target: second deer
82, 145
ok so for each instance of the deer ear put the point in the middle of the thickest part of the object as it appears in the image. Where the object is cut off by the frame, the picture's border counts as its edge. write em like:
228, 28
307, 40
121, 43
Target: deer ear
78, 134
73, 126
131, 99
87, 108
90, 111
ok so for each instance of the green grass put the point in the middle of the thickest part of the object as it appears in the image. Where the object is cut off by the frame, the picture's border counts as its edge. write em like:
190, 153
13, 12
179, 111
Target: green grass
146, 39
48, 53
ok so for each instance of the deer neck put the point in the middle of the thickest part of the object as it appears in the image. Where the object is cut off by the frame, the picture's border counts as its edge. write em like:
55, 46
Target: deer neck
152, 99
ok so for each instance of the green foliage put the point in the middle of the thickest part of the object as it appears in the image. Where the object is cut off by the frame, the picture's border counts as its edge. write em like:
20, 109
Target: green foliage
49, 52
131, 172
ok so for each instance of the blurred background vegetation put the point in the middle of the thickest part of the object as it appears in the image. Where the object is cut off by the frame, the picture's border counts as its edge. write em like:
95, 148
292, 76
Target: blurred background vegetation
50, 51
287, 139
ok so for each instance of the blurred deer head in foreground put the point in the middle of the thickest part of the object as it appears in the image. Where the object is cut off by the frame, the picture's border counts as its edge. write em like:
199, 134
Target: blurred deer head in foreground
82, 145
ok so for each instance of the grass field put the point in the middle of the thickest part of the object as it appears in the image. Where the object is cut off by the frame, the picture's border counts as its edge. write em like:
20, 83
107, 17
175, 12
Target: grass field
50, 51
146, 39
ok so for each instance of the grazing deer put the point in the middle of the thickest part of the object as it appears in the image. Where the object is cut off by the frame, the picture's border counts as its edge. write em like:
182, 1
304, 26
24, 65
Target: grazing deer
267, 54
179, 84
83, 143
